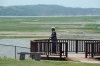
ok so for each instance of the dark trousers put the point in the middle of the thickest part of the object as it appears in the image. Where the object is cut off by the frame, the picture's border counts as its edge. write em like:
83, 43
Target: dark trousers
53, 46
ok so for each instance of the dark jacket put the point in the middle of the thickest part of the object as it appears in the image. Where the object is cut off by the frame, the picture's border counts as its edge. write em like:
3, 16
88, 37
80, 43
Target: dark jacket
53, 36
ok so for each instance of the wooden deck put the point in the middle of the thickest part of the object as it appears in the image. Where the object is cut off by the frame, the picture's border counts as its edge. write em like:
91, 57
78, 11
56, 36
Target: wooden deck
89, 47
74, 57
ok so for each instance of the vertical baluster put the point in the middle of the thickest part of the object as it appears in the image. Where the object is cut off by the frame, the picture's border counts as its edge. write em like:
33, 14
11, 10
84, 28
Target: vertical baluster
76, 46
92, 50
66, 49
60, 50
86, 51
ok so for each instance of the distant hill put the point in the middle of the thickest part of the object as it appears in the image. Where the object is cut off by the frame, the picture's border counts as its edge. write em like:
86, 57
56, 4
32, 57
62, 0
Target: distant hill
46, 10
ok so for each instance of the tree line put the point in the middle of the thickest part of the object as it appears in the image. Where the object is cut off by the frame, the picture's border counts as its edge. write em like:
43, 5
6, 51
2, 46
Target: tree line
46, 10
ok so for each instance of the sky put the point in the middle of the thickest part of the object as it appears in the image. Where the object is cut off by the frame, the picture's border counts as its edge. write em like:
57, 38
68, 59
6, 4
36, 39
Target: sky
66, 3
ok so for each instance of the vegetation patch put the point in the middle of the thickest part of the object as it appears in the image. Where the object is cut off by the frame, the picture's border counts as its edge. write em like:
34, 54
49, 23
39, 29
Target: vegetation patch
13, 62
69, 25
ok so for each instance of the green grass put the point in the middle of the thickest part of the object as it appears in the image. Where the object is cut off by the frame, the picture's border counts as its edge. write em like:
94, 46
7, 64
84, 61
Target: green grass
52, 19
14, 23
3, 36
38, 24
13, 62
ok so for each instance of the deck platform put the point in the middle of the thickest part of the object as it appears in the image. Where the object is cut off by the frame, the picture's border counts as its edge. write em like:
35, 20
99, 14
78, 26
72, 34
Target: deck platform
74, 57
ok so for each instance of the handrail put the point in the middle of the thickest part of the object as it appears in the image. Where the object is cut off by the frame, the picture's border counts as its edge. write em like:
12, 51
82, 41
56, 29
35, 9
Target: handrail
68, 39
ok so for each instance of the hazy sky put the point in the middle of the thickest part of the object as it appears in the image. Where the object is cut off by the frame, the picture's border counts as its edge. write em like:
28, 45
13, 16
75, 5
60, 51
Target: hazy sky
66, 3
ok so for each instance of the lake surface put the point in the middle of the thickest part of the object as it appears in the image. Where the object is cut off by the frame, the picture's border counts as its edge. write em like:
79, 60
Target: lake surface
10, 51
16, 42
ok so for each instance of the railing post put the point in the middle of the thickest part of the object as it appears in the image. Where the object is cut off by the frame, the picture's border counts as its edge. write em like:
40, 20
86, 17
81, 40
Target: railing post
66, 49
40, 47
76, 46
48, 50
33, 46
60, 50
86, 49
92, 50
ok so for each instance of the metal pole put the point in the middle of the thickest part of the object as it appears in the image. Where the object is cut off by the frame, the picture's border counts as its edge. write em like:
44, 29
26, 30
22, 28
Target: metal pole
15, 52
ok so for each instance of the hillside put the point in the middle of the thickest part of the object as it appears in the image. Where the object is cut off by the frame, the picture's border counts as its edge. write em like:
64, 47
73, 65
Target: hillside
46, 10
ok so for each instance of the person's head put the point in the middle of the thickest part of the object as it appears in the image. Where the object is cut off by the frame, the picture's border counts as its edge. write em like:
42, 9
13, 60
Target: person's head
52, 28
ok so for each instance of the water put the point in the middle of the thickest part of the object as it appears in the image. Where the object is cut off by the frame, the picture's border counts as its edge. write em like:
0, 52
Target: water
11, 51
16, 42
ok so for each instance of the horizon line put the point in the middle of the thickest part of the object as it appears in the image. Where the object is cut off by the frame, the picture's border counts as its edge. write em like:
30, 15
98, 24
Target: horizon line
45, 5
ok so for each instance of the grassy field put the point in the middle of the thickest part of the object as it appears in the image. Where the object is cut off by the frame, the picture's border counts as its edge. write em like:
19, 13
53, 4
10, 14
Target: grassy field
13, 62
39, 27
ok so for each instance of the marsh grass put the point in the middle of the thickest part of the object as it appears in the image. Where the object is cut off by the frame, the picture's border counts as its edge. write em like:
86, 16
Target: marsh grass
38, 24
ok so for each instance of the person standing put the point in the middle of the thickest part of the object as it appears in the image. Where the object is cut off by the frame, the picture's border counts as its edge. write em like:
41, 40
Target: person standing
53, 39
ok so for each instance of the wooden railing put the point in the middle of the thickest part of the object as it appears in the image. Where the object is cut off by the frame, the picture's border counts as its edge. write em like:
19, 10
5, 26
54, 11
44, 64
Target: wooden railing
46, 48
92, 49
66, 45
